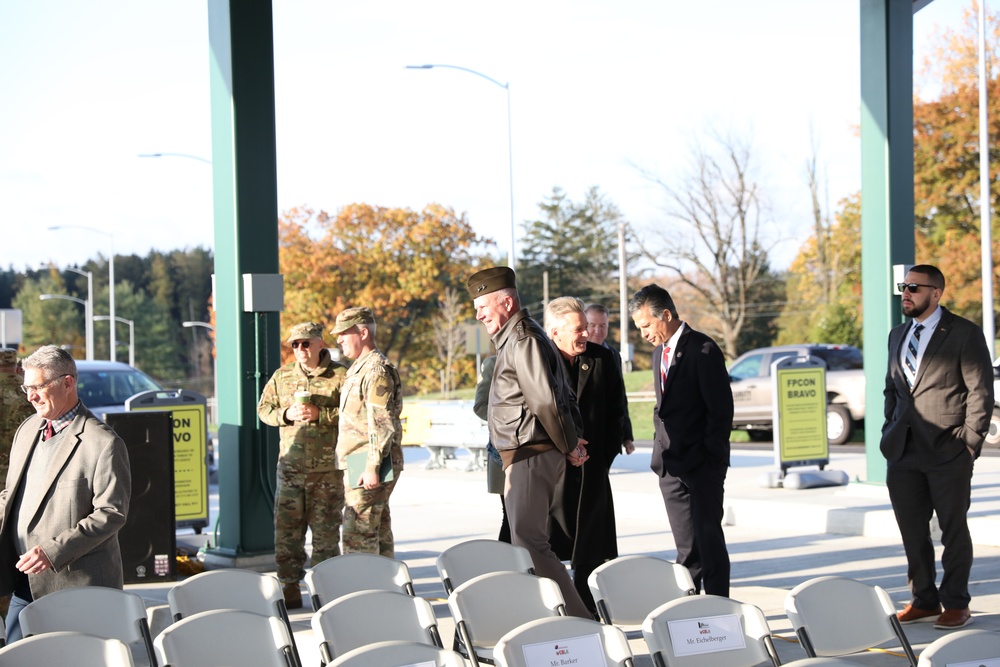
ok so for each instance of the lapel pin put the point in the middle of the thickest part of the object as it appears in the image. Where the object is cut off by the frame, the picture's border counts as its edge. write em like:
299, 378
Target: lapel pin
585, 367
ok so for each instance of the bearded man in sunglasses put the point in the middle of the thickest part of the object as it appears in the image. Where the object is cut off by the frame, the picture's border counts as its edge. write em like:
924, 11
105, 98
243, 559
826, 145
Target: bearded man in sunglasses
938, 401
302, 399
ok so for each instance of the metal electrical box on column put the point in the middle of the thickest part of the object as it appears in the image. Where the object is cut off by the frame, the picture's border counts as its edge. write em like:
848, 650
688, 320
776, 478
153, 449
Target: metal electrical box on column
246, 244
887, 232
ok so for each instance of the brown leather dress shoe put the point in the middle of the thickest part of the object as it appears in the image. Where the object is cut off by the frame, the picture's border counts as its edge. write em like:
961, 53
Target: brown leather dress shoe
293, 596
911, 614
952, 619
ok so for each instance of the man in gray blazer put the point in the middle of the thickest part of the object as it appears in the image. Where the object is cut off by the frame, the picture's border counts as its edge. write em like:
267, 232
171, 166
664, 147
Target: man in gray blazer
67, 492
938, 401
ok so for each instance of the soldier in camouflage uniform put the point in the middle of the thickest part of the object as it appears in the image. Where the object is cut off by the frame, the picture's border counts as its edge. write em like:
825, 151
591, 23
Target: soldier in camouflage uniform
14, 405
302, 399
370, 403
14, 409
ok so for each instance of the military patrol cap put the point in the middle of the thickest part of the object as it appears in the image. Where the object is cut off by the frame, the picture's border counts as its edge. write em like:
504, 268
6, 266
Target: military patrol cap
305, 331
491, 280
351, 317
8, 356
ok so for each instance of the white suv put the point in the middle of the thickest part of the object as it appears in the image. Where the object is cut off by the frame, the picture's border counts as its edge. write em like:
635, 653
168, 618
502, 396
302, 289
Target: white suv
750, 377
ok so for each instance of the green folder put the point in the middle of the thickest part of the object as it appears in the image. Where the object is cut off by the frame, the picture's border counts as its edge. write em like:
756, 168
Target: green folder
356, 463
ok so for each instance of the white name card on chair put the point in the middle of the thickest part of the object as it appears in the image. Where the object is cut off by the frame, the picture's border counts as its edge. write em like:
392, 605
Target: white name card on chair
711, 634
585, 651
429, 663
992, 662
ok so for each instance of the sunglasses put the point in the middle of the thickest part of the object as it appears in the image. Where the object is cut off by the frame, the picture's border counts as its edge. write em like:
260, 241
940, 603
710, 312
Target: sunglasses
304, 344
912, 288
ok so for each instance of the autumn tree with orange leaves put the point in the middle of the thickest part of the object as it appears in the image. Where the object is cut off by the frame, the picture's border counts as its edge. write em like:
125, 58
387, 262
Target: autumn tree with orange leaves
398, 262
946, 161
946, 196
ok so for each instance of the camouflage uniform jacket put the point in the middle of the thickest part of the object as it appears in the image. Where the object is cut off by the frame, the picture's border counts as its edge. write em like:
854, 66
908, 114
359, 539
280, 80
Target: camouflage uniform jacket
14, 409
370, 404
305, 447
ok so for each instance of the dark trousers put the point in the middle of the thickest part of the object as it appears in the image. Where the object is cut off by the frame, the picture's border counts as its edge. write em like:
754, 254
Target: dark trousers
529, 494
917, 490
694, 509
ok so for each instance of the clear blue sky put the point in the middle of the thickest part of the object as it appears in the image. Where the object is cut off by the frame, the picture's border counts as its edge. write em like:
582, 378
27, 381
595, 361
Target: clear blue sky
596, 88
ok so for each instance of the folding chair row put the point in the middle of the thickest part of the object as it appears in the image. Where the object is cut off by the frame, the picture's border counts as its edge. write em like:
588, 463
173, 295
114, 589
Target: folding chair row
66, 648
225, 637
352, 573
242, 590
93, 610
358, 619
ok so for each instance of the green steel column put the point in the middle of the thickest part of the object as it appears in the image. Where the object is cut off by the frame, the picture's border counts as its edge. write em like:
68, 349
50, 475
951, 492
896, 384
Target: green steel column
246, 241
887, 235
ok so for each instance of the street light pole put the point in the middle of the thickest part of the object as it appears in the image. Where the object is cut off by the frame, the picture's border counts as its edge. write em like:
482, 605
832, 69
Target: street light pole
131, 335
88, 331
88, 310
510, 146
111, 280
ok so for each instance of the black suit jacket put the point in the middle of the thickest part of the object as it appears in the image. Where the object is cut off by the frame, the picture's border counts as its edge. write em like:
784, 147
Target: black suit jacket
585, 512
951, 402
694, 412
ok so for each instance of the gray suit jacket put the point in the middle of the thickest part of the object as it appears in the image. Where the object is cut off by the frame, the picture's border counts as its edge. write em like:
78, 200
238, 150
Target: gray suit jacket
951, 401
82, 508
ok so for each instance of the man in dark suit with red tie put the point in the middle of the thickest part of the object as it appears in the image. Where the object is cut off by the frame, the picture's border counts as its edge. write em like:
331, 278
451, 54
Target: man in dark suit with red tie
692, 423
938, 401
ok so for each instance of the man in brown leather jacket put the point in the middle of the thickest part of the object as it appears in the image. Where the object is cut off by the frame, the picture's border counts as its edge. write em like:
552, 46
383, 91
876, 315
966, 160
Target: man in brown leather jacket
533, 421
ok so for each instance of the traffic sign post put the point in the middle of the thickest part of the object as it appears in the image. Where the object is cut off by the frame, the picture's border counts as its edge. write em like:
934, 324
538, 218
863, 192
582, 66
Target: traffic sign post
799, 403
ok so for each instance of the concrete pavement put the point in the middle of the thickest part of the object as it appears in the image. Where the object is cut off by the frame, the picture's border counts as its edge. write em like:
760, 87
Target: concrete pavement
778, 537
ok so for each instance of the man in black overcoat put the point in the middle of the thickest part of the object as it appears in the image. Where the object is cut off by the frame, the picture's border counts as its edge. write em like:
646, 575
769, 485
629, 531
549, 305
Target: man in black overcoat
584, 526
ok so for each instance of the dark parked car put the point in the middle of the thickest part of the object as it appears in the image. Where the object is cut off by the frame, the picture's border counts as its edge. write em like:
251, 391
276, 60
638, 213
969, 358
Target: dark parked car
104, 386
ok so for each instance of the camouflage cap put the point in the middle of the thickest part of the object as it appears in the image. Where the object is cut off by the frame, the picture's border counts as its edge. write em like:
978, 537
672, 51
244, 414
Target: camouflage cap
8, 356
491, 280
305, 331
351, 317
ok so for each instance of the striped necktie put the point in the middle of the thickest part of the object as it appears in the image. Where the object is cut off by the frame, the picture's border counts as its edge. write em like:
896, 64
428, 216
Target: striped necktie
49, 431
664, 361
910, 361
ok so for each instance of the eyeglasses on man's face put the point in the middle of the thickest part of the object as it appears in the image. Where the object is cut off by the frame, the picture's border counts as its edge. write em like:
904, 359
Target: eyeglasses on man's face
30, 388
304, 344
912, 288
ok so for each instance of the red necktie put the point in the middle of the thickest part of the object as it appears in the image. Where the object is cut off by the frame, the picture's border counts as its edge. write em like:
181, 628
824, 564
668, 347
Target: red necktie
663, 367
49, 431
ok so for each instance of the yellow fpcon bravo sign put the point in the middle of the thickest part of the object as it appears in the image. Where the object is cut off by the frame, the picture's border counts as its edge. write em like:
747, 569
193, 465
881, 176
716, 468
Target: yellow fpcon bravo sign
801, 413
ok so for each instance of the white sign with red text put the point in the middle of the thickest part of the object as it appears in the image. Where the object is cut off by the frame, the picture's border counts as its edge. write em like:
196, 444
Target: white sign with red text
585, 651
711, 634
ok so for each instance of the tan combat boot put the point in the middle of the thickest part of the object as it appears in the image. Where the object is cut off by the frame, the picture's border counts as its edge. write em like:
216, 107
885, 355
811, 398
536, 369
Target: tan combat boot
293, 596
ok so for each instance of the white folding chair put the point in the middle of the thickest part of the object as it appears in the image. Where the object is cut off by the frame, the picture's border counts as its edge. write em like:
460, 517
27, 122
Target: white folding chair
225, 637
457, 564
94, 610
823, 662
66, 648
487, 607
231, 589
357, 619
836, 616
961, 646
542, 637
708, 630
351, 573
627, 588
399, 654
